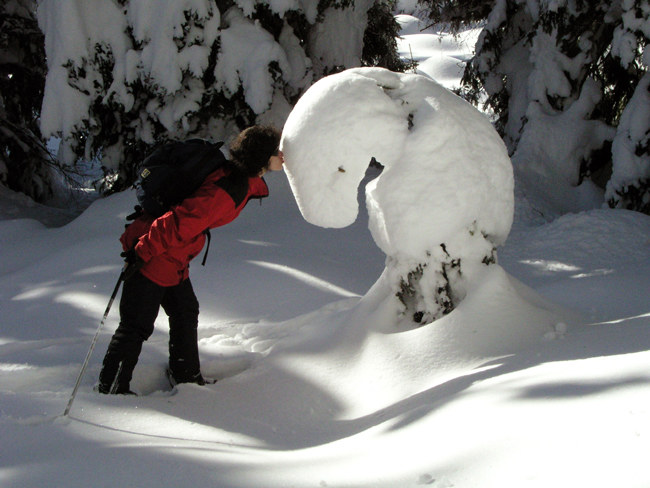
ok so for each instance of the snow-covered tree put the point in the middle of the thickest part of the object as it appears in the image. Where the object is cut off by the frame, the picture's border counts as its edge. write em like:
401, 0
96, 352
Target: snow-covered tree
380, 38
125, 75
442, 204
539, 64
24, 161
557, 76
457, 13
629, 186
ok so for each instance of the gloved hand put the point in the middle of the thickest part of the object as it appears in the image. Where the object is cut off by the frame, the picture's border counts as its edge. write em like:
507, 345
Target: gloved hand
133, 263
137, 212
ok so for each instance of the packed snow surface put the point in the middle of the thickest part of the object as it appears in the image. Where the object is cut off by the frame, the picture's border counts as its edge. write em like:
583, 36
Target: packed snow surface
539, 378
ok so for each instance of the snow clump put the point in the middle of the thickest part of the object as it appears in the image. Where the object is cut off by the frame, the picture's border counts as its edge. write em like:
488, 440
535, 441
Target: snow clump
444, 200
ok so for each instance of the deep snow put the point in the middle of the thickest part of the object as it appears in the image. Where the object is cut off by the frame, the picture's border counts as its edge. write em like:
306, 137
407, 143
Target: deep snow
540, 378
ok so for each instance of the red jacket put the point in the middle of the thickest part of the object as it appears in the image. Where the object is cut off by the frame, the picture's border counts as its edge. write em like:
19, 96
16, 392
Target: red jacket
168, 243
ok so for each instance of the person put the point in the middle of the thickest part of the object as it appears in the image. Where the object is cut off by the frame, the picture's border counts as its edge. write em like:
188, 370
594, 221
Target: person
158, 252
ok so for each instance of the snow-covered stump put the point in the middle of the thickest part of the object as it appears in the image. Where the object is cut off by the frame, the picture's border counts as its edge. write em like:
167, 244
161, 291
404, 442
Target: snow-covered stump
433, 286
444, 201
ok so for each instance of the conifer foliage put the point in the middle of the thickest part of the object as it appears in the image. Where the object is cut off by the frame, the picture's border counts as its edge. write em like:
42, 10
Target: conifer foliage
126, 75
24, 160
565, 81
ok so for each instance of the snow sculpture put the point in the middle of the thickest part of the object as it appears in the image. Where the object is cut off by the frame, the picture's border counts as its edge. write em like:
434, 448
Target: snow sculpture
444, 200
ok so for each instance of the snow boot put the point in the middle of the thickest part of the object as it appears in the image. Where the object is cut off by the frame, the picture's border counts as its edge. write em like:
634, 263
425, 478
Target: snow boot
115, 375
197, 379
99, 388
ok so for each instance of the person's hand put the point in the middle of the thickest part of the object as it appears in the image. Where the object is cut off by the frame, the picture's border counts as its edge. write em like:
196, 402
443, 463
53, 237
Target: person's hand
133, 263
137, 212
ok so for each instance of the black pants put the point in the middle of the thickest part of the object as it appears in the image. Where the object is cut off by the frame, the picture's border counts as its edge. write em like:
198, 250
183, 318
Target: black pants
141, 300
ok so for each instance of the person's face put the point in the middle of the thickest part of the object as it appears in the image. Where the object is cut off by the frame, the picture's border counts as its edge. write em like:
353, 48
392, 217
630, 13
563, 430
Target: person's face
276, 161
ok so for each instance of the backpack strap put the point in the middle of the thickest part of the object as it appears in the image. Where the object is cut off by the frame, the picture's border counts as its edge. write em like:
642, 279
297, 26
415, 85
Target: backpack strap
236, 185
208, 236
175, 171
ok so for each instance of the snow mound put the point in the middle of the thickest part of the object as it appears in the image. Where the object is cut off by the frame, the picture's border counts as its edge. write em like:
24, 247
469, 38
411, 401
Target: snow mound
445, 198
446, 167
371, 366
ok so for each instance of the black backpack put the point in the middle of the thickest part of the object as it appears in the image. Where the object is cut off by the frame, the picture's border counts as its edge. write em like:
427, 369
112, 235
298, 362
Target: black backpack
174, 171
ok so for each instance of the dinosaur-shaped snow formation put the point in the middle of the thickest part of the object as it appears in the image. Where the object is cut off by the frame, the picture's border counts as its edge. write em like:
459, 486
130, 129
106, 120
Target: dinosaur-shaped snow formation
444, 200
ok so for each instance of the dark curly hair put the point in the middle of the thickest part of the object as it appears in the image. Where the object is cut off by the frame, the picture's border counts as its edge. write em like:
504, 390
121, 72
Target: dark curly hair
253, 147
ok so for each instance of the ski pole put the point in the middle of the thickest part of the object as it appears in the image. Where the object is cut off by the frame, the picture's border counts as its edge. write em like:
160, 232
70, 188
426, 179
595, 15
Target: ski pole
94, 341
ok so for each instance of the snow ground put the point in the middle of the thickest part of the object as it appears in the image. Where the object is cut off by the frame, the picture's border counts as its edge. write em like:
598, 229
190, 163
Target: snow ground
540, 378
440, 55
